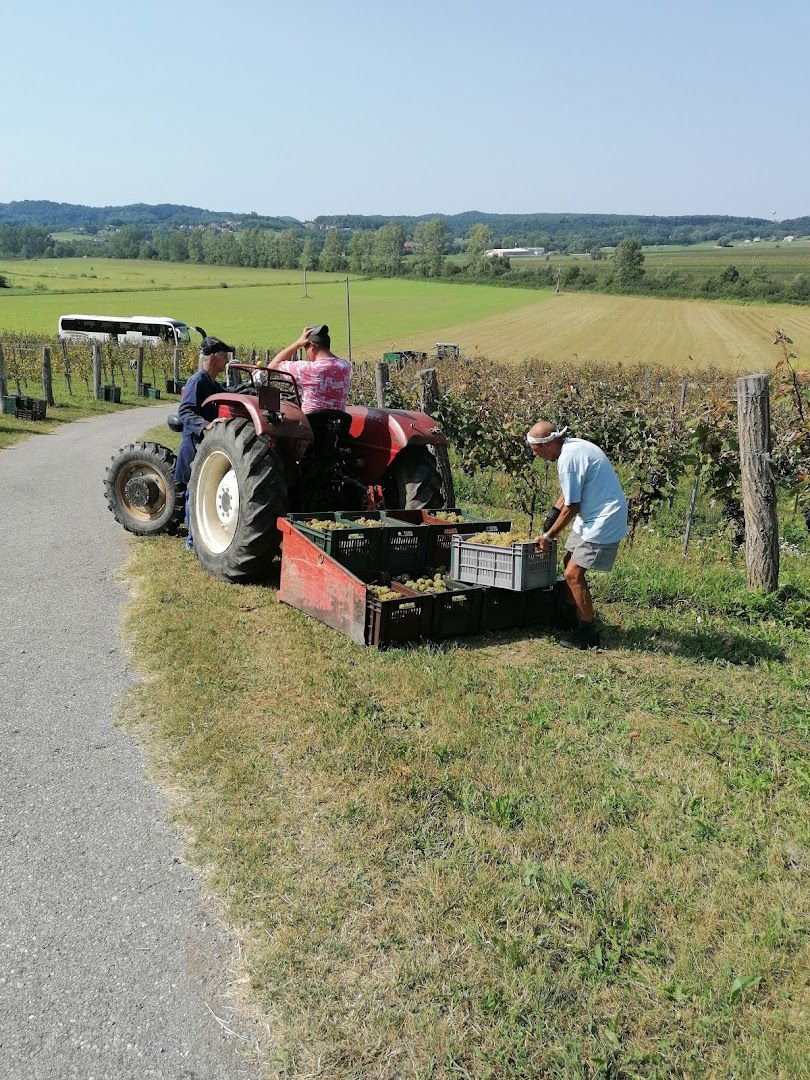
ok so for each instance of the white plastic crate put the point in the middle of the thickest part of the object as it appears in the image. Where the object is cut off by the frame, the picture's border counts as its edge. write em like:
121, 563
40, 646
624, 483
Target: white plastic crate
518, 567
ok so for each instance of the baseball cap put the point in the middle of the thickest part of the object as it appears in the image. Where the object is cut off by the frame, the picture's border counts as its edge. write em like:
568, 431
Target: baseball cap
318, 335
211, 345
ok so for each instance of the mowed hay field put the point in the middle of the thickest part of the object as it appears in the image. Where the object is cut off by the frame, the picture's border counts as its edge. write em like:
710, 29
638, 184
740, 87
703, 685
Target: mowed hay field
267, 308
626, 329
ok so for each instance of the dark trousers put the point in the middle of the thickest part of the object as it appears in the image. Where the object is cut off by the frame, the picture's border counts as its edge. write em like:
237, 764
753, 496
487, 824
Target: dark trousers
185, 456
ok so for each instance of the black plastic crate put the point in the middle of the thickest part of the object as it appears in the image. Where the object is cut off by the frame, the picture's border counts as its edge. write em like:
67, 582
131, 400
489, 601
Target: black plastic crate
111, 394
402, 546
357, 548
542, 606
397, 622
28, 408
502, 609
441, 533
457, 611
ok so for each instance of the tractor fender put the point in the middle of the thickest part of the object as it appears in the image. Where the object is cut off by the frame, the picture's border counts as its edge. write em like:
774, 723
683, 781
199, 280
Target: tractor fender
381, 434
292, 425
292, 432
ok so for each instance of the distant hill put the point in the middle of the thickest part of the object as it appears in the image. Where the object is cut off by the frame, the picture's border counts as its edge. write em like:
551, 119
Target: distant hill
55, 216
570, 232
583, 231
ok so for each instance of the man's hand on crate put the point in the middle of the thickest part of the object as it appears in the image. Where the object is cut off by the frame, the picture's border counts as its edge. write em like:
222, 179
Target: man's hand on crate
564, 518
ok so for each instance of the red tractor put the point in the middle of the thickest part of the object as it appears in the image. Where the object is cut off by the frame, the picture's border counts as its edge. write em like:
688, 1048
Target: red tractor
264, 457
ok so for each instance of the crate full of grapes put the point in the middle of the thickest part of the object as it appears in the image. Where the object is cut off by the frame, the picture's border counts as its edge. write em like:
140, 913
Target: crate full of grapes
442, 526
456, 606
502, 560
355, 543
403, 546
396, 615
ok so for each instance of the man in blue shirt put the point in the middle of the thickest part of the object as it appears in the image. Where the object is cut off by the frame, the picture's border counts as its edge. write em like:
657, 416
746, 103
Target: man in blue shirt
195, 415
592, 499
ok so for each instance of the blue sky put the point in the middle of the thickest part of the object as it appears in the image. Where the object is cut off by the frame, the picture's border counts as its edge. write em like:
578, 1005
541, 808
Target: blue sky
414, 107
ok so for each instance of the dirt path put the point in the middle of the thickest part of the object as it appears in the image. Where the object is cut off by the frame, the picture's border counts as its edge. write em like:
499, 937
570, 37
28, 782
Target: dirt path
111, 965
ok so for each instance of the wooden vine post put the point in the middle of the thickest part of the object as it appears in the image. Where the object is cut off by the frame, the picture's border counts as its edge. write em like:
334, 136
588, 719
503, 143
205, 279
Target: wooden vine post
429, 398
97, 372
66, 363
139, 372
3, 382
47, 376
176, 365
381, 382
758, 487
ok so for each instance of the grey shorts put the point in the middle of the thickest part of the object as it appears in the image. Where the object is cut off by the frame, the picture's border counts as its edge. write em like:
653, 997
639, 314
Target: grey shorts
592, 556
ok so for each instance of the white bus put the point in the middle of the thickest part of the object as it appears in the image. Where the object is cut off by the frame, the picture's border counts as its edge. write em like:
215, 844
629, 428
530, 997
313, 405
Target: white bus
127, 329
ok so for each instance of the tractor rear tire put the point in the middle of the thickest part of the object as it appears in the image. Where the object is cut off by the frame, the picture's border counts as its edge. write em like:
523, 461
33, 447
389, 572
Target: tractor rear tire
141, 491
238, 489
413, 482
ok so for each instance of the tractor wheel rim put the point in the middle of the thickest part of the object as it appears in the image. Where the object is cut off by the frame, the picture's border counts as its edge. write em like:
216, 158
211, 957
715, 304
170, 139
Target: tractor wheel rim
137, 470
228, 501
217, 499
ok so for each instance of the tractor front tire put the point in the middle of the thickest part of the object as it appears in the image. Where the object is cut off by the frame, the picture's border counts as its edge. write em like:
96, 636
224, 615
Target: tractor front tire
141, 490
413, 481
237, 490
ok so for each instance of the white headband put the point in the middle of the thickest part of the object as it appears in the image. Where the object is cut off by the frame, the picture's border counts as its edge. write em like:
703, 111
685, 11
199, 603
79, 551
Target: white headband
532, 440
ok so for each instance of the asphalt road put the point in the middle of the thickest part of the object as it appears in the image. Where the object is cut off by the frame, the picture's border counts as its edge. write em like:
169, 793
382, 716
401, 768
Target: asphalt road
111, 966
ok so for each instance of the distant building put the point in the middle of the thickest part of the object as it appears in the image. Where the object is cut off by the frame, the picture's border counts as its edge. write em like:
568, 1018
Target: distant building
757, 240
788, 239
516, 253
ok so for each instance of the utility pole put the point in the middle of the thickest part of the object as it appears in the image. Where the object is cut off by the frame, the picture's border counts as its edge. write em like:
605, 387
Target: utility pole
348, 318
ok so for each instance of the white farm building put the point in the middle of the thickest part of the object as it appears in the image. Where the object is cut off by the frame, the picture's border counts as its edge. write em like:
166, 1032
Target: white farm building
516, 253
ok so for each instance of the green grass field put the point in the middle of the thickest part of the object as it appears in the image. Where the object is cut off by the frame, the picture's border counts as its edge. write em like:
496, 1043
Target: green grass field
492, 858
262, 308
778, 258
259, 307
34, 276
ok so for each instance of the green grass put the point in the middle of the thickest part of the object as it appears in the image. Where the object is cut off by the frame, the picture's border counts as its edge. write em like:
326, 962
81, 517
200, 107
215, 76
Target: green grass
92, 276
80, 405
778, 258
495, 858
270, 314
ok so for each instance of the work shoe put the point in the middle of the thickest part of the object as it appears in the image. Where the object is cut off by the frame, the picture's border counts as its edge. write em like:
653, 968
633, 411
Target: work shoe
586, 636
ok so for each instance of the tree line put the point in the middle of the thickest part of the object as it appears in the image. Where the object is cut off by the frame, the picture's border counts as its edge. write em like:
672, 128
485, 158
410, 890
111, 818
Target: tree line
562, 232
383, 252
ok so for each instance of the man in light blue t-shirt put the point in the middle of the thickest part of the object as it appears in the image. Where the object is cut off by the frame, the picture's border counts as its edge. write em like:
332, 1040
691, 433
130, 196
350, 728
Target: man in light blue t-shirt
592, 498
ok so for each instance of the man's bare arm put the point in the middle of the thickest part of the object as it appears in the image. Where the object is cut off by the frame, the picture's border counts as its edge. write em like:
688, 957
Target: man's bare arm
567, 515
289, 352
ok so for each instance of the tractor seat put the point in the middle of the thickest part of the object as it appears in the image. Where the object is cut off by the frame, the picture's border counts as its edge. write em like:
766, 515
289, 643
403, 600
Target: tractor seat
321, 420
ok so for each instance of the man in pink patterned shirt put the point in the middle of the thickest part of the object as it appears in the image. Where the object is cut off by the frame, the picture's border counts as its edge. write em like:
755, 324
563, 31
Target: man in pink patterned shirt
322, 378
